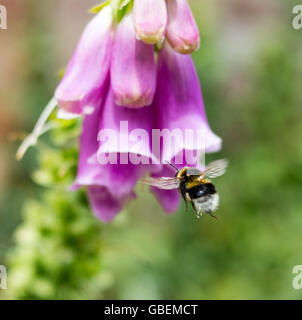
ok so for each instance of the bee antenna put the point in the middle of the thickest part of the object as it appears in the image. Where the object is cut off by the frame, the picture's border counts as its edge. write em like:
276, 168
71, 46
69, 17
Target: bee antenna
172, 165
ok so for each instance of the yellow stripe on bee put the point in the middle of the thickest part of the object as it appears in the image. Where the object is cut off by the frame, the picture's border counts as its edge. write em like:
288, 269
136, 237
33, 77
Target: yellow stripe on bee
196, 182
193, 180
181, 172
203, 180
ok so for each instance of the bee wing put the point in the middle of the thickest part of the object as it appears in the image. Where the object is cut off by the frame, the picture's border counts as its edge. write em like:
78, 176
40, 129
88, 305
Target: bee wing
215, 169
193, 172
166, 183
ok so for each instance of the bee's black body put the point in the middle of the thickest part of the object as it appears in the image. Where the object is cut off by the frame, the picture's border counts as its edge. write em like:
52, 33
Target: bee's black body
200, 192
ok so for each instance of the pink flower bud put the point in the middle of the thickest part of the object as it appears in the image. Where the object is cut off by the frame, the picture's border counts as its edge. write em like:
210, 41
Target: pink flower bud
83, 82
182, 32
133, 69
150, 20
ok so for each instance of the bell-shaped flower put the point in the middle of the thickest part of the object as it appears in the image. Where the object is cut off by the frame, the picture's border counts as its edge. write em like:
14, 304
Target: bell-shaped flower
115, 152
104, 204
125, 146
180, 117
182, 31
85, 76
150, 20
179, 107
88, 171
133, 69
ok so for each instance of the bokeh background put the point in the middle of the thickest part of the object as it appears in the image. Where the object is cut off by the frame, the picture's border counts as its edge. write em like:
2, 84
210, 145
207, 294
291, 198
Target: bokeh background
250, 68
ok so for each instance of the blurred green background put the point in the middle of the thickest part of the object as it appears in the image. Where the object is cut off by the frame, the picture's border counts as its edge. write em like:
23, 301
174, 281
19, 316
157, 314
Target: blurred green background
250, 69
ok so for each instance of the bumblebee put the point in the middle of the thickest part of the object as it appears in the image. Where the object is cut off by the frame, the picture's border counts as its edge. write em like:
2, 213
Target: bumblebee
194, 186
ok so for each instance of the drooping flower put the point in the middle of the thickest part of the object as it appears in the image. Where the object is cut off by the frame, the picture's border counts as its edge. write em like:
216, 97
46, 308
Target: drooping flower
124, 146
104, 204
133, 69
173, 19
150, 20
132, 62
182, 32
107, 156
88, 68
180, 110
124, 93
179, 102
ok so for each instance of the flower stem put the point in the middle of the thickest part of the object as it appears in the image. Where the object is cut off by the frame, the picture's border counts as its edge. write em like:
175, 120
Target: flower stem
38, 130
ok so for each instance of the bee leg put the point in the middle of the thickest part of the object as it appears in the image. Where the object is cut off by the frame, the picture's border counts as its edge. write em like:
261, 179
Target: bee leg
196, 213
183, 194
186, 204
210, 213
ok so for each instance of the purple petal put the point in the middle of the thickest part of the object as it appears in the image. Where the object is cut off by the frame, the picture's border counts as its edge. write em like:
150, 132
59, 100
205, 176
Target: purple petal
83, 83
180, 109
179, 106
104, 201
110, 186
182, 31
88, 173
124, 141
150, 20
133, 69
168, 199
104, 205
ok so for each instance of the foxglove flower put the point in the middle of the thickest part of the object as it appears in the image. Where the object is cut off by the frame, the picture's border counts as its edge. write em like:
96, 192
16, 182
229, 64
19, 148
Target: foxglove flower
125, 148
110, 184
125, 93
87, 71
150, 20
179, 106
182, 32
133, 70
104, 204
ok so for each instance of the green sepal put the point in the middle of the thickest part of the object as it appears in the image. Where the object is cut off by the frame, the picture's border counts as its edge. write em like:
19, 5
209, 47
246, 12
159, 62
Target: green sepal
99, 7
124, 7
